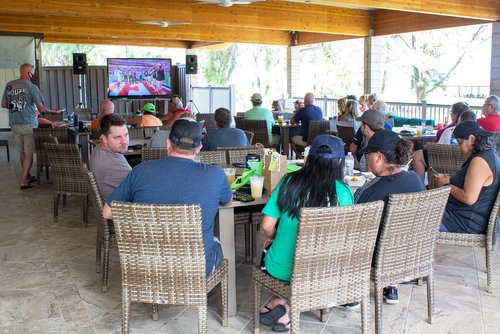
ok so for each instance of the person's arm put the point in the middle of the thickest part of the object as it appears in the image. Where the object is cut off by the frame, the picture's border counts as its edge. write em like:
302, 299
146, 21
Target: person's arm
4, 103
477, 175
106, 211
42, 109
353, 148
269, 228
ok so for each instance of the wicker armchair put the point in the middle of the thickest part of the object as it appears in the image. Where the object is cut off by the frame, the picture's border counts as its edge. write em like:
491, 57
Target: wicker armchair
332, 262
162, 259
213, 157
103, 233
153, 153
249, 136
259, 129
405, 249
238, 154
67, 166
136, 133
149, 131
46, 136
443, 158
209, 121
486, 240
96, 133
316, 128
346, 133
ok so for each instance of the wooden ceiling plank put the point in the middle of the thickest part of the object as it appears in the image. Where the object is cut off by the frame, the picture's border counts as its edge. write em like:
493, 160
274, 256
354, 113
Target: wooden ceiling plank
387, 22
474, 9
102, 28
112, 41
276, 15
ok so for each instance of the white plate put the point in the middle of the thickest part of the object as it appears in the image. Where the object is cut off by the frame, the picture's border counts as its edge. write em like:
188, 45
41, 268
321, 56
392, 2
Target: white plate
368, 175
355, 181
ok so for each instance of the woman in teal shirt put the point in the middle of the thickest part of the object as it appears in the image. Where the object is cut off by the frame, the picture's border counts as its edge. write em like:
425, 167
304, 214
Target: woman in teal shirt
318, 184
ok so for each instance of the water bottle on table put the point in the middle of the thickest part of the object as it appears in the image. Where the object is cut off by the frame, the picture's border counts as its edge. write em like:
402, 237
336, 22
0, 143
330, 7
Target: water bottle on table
349, 164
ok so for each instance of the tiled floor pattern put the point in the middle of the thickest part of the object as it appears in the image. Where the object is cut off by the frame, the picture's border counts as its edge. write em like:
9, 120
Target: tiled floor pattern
48, 281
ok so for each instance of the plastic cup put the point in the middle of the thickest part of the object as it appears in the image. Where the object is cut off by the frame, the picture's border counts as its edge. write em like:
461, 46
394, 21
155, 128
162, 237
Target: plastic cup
230, 174
280, 119
419, 132
256, 186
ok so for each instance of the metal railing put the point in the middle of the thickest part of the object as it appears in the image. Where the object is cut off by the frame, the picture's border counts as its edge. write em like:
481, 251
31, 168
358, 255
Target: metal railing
437, 112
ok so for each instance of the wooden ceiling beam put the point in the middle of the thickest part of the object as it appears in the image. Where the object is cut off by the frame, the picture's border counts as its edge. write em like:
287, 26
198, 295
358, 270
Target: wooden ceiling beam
306, 38
274, 15
101, 28
387, 22
474, 9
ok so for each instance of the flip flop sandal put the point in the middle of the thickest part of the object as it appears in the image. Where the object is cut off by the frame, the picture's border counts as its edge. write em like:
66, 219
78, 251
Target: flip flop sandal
270, 318
281, 327
26, 186
32, 179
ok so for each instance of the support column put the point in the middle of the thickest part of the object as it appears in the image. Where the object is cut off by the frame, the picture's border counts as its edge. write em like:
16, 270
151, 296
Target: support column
372, 65
495, 60
293, 71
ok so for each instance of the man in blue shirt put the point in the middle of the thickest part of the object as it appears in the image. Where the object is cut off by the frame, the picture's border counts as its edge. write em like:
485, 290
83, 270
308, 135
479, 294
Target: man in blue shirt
178, 179
310, 112
371, 121
224, 135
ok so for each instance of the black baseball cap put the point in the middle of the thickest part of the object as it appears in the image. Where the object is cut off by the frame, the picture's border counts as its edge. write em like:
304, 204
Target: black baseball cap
185, 133
383, 140
467, 128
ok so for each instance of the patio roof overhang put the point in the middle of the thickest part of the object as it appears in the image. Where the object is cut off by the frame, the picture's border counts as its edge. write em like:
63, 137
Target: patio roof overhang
293, 22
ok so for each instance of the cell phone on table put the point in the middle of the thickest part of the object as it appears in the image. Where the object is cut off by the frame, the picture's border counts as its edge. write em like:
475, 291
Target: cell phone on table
240, 165
433, 171
243, 197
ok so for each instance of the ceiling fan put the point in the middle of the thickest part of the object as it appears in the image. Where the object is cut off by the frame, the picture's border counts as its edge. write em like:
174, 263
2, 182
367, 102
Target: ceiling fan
162, 24
227, 3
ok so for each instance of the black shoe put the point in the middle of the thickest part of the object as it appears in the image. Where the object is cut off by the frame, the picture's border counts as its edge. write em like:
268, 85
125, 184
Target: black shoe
391, 295
352, 306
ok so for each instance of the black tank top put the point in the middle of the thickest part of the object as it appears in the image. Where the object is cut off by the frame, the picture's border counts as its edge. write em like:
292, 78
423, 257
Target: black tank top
463, 218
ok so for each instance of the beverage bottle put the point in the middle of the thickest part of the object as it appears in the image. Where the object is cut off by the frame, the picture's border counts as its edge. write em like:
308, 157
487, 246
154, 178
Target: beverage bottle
349, 164
446, 122
423, 127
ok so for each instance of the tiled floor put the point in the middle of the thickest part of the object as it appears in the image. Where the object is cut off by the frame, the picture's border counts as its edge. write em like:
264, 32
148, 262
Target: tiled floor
48, 282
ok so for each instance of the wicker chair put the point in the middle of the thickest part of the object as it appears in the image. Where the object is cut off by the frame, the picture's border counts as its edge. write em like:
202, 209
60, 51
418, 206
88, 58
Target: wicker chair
495, 141
238, 154
332, 262
67, 166
103, 233
96, 133
259, 129
486, 240
209, 121
444, 159
46, 136
136, 133
149, 131
316, 128
153, 153
162, 259
213, 157
346, 133
249, 136
405, 249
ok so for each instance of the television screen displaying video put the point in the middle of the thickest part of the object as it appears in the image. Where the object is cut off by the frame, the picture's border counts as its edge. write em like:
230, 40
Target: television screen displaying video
139, 77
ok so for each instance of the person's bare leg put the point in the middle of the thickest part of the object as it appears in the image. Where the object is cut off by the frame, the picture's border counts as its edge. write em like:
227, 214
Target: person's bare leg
418, 164
26, 163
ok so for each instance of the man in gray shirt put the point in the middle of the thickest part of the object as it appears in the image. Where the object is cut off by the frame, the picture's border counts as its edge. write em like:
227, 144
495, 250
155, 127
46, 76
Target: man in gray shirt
24, 101
107, 161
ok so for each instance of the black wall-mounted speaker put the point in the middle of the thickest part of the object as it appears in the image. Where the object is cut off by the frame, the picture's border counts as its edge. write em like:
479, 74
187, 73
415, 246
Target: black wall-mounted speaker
79, 63
191, 64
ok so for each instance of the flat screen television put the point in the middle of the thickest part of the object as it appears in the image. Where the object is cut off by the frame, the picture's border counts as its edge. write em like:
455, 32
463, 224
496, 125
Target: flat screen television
139, 78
